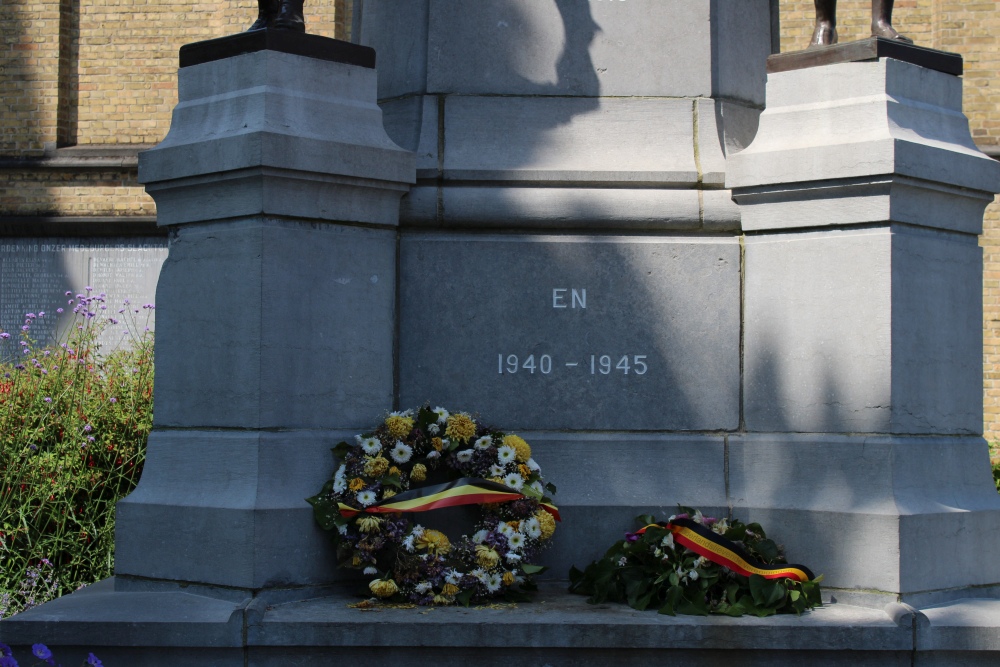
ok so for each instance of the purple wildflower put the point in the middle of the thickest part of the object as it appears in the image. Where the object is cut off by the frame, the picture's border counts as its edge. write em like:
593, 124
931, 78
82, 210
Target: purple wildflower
5, 650
631, 537
25, 328
114, 400
8, 661
89, 289
68, 292
41, 651
47, 399
88, 428
30, 316
94, 661
59, 310
33, 448
41, 313
4, 335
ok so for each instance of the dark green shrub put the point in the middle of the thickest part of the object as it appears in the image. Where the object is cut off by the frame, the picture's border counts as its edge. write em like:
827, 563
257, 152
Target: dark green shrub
74, 418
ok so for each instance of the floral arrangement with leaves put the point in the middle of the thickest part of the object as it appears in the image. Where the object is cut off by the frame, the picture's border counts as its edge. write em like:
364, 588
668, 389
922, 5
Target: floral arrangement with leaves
424, 459
651, 569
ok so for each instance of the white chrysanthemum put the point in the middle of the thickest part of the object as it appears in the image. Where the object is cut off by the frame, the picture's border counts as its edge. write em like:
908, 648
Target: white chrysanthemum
532, 465
433, 455
464, 456
515, 541
532, 528
339, 484
442, 414
408, 544
480, 536
514, 481
401, 453
452, 577
370, 571
493, 583
341, 472
366, 497
537, 486
417, 531
484, 442
371, 446
342, 530
505, 529
506, 454
404, 413
513, 558
423, 587
433, 429
497, 471
357, 439
479, 573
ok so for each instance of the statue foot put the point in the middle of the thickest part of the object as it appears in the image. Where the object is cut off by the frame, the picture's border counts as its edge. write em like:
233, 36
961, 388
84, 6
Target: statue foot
267, 10
824, 35
290, 16
883, 29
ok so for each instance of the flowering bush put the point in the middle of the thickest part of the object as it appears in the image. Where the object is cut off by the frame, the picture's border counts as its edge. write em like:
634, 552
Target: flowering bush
651, 569
44, 657
73, 425
379, 480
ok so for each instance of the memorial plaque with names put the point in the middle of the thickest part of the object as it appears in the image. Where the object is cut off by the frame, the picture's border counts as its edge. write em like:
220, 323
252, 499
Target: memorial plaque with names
36, 273
573, 332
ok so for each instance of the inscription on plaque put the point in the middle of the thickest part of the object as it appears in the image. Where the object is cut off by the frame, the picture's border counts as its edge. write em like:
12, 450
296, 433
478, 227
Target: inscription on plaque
616, 333
35, 275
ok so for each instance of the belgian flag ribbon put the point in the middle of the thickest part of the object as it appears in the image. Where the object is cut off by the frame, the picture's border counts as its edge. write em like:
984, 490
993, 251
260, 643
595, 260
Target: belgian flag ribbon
727, 553
464, 491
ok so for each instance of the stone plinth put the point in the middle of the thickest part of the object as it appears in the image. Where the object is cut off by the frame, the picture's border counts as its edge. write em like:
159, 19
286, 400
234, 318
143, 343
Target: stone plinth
276, 307
862, 196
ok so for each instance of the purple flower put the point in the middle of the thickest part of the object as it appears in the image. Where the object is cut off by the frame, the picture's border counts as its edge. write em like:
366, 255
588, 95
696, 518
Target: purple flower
94, 661
114, 400
89, 289
30, 316
41, 313
88, 428
25, 327
631, 537
59, 310
125, 302
33, 448
68, 292
5, 650
41, 651
90, 438
5, 336
47, 399
8, 661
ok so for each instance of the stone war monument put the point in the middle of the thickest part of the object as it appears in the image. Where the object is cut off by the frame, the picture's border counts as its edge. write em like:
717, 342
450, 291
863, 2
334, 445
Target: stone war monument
685, 272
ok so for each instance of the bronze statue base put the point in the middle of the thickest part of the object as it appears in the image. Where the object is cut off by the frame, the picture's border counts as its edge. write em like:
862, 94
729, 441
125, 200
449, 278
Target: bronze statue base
872, 48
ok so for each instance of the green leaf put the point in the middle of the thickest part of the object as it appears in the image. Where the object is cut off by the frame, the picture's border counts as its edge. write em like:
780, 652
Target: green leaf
465, 597
550, 487
528, 568
340, 450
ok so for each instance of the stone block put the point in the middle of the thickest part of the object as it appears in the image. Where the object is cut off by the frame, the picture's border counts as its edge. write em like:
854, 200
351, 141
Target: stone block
875, 513
227, 508
274, 133
498, 324
865, 330
275, 324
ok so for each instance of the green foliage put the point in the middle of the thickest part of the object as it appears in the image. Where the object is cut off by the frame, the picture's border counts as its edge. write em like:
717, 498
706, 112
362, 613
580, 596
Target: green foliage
73, 426
651, 571
996, 473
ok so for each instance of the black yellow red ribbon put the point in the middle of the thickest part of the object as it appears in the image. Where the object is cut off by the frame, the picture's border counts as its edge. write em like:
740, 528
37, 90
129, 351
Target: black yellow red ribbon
464, 491
727, 553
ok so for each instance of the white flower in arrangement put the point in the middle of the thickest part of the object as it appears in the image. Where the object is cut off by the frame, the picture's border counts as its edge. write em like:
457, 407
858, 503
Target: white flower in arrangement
720, 527
505, 530
484, 442
452, 577
537, 486
339, 484
622, 562
515, 541
701, 562
423, 587
408, 544
404, 413
497, 471
668, 541
401, 453
506, 454
479, 573
513, 558
693, 575
442, 414
464, 456
417, 531
433, 455
480, 536
371, 446
342, 529
433, 429
493, 583
370, 571
366, 497
514, 481
532, 528
532, 466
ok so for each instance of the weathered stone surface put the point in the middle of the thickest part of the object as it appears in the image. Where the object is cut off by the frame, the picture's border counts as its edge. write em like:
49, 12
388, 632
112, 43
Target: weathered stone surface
881, 513
661, 313
274, 324
867, 330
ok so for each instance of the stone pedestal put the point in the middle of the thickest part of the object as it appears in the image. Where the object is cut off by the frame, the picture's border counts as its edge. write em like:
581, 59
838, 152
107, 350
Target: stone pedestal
861, 196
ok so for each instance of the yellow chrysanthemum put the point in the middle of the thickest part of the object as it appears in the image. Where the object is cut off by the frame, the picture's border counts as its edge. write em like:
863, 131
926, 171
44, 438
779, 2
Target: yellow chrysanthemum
434, 542
356, 484
419, 473
524, 470
451, 590
508, 578
376, 467
356, 560
460, 427
486, 557
547, 523
395, 471
399, 427
383, 588
522, 450
514, 524
437, 444
369, 524
441, 599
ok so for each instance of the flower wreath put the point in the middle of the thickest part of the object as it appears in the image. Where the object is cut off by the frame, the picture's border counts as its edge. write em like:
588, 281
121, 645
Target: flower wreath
383, 478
